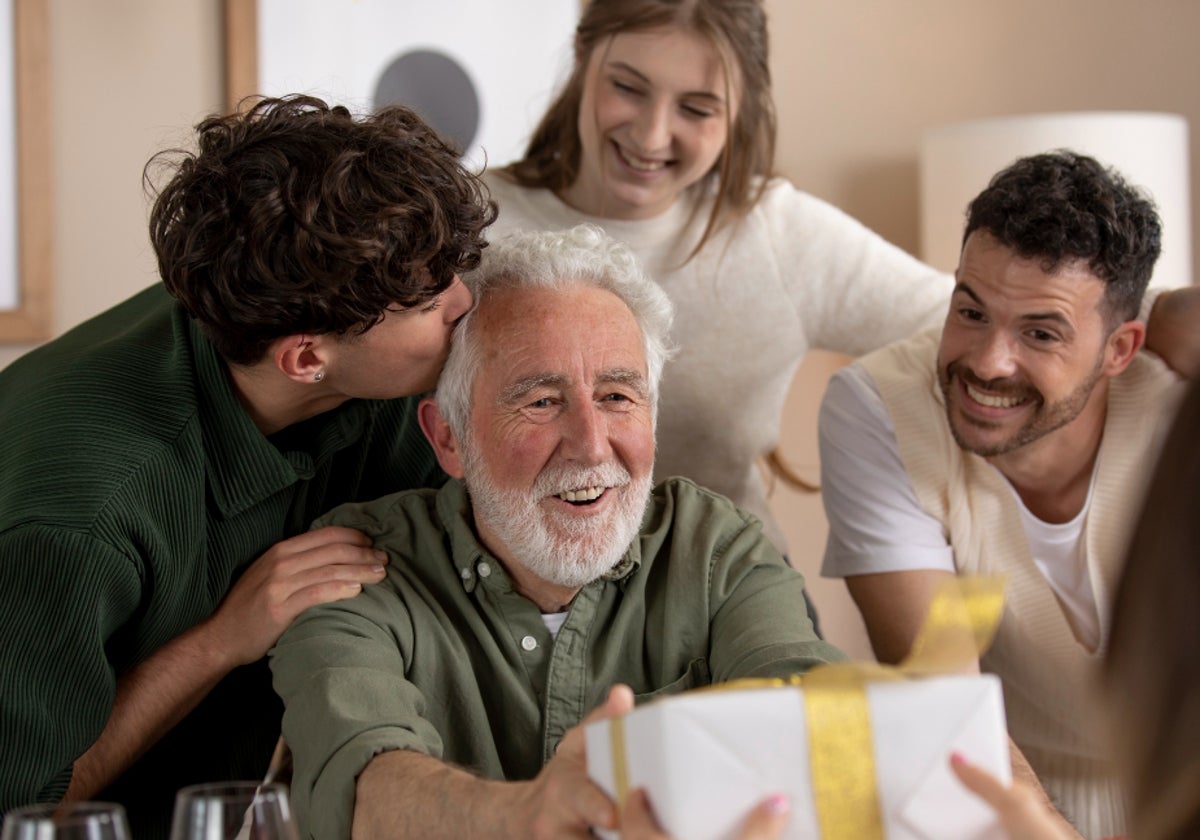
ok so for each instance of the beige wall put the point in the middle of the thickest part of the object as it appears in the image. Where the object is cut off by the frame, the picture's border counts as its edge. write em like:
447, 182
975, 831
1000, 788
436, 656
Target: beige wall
856, 82
127, 77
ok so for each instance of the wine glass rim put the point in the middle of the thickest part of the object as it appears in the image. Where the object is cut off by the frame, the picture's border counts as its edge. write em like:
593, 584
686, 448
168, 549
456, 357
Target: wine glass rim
58, 812
232, 788
235, 809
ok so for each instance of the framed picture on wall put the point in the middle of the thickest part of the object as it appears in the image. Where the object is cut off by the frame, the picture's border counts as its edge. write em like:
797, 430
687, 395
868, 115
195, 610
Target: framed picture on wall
25, 193
481, 72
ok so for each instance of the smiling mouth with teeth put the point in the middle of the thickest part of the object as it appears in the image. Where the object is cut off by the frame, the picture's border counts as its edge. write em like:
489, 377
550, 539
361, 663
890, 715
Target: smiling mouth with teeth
582, 496
640, 164
992, 401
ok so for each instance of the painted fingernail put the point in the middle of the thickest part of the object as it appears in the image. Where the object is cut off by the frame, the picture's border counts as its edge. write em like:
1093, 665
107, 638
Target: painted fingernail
778, 804
957, 759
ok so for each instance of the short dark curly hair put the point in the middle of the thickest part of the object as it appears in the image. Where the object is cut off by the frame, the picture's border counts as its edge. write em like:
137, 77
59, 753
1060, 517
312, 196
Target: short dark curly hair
1062, 206
295, 217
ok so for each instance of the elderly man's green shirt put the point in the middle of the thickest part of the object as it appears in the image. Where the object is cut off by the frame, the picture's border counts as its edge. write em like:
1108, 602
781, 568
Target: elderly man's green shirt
443, 657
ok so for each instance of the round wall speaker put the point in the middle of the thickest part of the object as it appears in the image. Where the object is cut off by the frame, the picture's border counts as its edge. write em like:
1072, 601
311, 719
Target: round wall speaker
478, 71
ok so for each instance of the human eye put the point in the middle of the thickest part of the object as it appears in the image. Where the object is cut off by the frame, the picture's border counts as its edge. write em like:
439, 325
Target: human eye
970, 313
618, 400
539, 409
433, 305
541, 403
626, 87
698, 111
1041, 336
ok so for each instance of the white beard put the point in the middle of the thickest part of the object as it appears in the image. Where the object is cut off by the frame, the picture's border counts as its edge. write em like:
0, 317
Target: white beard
566, 551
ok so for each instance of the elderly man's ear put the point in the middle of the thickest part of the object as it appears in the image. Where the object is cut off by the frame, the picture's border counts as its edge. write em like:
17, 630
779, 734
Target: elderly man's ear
443, 441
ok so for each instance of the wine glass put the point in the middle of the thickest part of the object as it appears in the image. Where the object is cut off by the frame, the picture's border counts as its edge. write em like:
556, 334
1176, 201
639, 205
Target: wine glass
67, 821
233, 811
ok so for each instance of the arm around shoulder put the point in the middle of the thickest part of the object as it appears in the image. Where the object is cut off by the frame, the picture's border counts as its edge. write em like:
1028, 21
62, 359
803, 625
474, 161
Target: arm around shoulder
1173, 330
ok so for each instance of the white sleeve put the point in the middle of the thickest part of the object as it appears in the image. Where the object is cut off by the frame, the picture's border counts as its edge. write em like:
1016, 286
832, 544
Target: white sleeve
876, 523
853, 290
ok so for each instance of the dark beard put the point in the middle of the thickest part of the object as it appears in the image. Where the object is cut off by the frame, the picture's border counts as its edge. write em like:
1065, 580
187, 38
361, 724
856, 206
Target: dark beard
1046, 418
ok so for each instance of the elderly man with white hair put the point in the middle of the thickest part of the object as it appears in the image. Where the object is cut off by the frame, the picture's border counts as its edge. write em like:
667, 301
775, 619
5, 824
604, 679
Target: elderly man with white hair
544, 573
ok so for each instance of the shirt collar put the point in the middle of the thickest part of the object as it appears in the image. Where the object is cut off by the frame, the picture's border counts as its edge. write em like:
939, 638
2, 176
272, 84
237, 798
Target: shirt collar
244, 466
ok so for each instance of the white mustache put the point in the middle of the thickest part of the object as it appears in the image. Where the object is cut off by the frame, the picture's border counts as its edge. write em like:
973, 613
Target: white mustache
563, 477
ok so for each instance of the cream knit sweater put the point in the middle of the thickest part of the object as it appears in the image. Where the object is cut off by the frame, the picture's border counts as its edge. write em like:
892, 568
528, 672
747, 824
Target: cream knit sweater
1048, 676
794, 273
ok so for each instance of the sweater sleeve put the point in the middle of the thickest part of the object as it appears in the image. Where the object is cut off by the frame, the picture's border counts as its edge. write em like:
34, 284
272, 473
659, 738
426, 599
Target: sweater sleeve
853, 290
59, 685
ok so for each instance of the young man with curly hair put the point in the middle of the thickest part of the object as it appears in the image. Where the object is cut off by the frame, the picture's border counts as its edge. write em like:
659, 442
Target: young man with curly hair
162, 462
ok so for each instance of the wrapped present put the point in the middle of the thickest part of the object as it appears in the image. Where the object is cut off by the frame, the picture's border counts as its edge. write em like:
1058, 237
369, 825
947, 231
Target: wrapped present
861, 751
706, 758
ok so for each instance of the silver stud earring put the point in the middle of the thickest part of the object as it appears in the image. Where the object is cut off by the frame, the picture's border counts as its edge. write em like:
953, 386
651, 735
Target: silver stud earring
318, 376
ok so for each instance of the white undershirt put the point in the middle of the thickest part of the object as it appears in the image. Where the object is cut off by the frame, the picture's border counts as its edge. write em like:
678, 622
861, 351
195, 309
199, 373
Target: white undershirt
1060, 553
554, 622
877, 525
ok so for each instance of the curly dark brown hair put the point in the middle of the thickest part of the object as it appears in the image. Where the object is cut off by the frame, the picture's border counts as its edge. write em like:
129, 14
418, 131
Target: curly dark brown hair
294, 217
1062, 206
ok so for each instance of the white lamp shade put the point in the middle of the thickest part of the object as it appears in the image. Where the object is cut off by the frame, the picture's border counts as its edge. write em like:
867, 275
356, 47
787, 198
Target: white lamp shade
1149, 150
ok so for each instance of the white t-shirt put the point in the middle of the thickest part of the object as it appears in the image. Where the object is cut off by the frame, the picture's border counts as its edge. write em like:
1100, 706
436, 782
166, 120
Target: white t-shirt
877, 525
554, 622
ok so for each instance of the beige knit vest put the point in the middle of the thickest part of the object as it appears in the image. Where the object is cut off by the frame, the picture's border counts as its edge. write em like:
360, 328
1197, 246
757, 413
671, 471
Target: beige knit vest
1048, 676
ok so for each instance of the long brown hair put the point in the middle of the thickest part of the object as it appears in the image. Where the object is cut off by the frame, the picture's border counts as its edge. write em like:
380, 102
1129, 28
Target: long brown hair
1152, 670
738, 30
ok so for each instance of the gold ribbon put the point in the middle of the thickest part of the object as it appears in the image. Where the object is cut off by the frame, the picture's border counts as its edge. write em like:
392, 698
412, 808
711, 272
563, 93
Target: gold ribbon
620, 764
958, 627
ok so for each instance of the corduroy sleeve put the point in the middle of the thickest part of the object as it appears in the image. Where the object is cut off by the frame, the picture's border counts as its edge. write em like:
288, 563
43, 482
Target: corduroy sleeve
62, 595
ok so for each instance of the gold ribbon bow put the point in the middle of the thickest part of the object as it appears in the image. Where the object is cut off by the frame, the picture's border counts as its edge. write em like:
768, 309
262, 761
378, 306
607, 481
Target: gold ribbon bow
958, 627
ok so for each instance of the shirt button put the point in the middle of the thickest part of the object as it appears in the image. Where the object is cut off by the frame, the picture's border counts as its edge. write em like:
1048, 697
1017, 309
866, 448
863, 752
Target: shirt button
464, 573
485, 569
529, 643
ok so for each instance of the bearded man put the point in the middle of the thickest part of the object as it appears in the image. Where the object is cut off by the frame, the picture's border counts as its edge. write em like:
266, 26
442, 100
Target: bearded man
1016, 440
544, 574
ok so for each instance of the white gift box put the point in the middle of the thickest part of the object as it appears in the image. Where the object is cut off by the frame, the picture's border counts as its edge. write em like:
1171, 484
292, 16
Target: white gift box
707, 758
